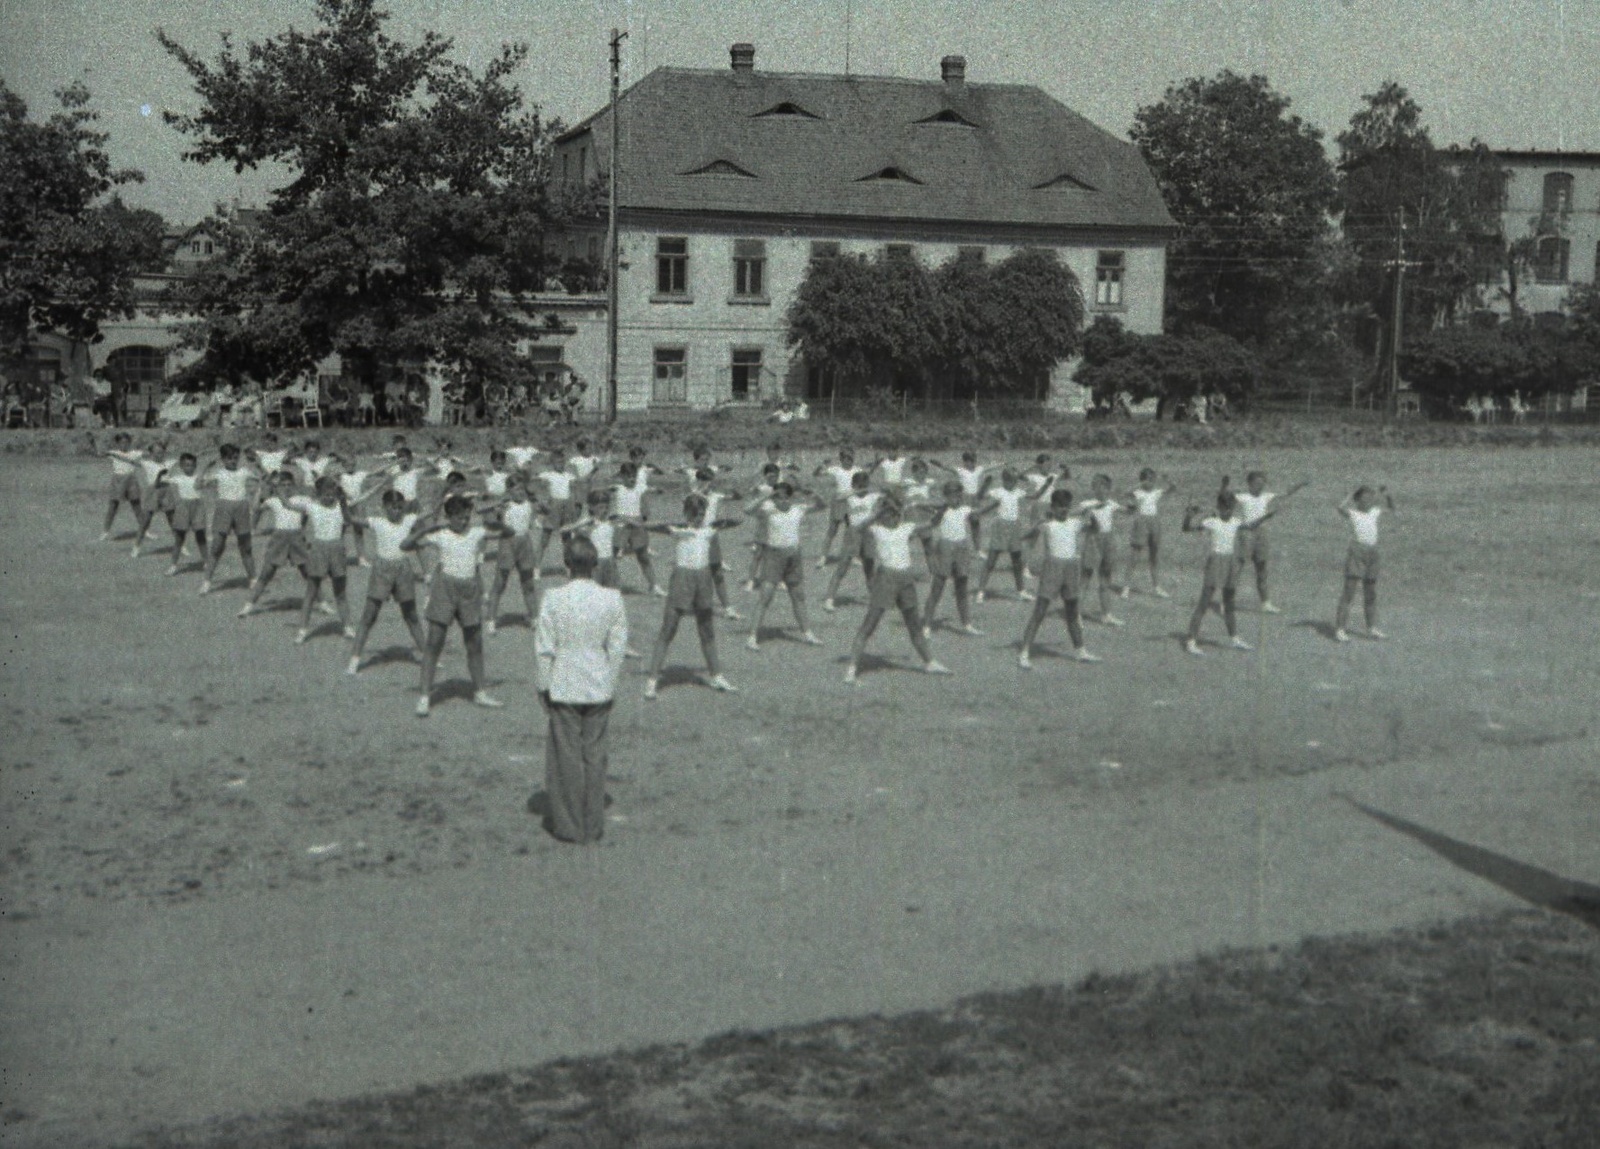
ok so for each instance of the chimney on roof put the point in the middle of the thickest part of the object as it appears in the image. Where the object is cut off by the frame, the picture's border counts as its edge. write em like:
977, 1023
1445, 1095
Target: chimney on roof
744, 57
953, 69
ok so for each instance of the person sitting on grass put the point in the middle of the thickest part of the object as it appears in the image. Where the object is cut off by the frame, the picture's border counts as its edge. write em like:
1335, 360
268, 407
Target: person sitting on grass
1361, 560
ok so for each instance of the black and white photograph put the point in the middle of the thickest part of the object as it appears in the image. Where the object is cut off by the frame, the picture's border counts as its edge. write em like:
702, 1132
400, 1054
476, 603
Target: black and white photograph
649, 574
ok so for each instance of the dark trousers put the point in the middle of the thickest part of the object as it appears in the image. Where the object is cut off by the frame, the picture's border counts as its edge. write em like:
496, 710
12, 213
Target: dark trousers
575, 770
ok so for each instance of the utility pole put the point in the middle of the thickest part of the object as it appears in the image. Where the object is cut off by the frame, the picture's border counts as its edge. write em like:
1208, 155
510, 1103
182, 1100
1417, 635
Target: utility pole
611, 232
1399, 263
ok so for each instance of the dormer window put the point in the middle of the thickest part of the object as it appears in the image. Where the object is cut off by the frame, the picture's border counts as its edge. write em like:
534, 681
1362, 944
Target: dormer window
890, 174
721, 168
1064, 182
948, 116
789, 110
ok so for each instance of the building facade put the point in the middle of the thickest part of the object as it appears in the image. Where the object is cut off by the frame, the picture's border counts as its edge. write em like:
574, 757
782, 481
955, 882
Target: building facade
1552, 211
732, 182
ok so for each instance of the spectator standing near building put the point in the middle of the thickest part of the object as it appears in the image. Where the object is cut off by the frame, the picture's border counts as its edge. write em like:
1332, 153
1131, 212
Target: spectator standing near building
580, 641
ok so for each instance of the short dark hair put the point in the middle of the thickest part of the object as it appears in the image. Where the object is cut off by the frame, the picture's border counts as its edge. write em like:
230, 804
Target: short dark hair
1060, 497
228, 451
580, 555
457, 504
393, 498
188, 457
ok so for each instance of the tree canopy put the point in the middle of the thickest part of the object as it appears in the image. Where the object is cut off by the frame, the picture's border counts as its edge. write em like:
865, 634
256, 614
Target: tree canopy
1449, 200
1253, 192
965, 328
412, 227
1166, 368
69, 248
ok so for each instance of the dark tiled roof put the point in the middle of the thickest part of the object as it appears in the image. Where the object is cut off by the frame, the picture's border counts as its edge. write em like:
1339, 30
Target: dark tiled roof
1028, 160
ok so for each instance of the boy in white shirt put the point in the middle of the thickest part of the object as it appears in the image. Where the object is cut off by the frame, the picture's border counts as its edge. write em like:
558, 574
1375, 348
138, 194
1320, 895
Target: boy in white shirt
285, 546
392, 575
1145, 538
1255, 507
188, 510
1005, 530
1099, 560
124, 480
1222, 567
859, 507
1060, 574
325, 553
629, 510
893, 585
1362, 510
519, 551
233, 511
779, 518
955, 525
842, 475
456, 593
691, 591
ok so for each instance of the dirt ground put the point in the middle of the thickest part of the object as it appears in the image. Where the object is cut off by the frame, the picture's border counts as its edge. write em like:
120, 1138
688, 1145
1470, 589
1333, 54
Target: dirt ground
201, 818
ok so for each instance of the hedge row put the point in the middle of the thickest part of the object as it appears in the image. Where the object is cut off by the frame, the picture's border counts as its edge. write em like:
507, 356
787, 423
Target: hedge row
671, 437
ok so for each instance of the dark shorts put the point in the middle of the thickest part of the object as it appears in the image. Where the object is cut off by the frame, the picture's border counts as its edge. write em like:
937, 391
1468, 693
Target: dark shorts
1146, 532
455, 599
125, 488
837, 511
632, 539
1222, 571
855, 543
892, 588
518, 552
230, 515
605, 573
1004, 536
166, 498
1058, 578
562, 512
782, 565
1097, 558
325, 559
1361, 561
189, 515
690, 590
392, 578
284, 548
950, 560
1253, 545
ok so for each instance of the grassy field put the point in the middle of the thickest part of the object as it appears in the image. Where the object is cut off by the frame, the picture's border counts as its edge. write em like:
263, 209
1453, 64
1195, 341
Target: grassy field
1484, 1032
158, 751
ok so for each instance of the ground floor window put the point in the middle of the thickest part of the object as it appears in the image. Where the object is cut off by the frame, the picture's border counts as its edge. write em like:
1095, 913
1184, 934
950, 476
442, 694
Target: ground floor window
671, 382
746, 372
140, 369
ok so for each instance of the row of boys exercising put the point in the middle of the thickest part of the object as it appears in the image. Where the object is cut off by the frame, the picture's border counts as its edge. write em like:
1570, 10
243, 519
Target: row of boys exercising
876, 514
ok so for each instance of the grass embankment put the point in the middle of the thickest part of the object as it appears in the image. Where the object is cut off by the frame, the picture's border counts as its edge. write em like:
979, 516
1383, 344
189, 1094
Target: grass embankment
1484, 1032
669, 435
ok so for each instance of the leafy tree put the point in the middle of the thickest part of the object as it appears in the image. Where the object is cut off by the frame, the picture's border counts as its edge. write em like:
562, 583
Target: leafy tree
1389, 170
68, 254
1252, 190
1167, 368
965, 328
412, 227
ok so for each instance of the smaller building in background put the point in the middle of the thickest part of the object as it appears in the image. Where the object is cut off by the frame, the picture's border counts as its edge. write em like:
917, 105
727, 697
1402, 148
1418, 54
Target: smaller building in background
1552, 215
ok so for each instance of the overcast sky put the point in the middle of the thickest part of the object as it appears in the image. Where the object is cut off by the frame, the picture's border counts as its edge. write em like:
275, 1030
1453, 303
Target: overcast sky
1515, 73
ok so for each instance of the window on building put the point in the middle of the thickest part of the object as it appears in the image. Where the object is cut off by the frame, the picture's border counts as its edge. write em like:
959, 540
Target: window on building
898, 251
1108, 279
194, 247
210, 247
975, 254
671, 382
566, 167
672, 266
547, 365
1550, 265
594, 249
746, 372
749, 267
824, 249
1558, 193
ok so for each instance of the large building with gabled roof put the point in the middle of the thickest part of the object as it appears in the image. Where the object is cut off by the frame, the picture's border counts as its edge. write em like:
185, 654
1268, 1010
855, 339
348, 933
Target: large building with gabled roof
732, 181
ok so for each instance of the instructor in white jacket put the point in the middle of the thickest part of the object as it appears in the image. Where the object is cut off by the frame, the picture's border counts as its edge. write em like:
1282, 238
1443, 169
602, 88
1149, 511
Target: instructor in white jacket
580, 642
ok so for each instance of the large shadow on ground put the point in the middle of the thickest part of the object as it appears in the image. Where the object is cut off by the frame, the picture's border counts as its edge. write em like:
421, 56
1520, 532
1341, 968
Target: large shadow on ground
1541, 887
